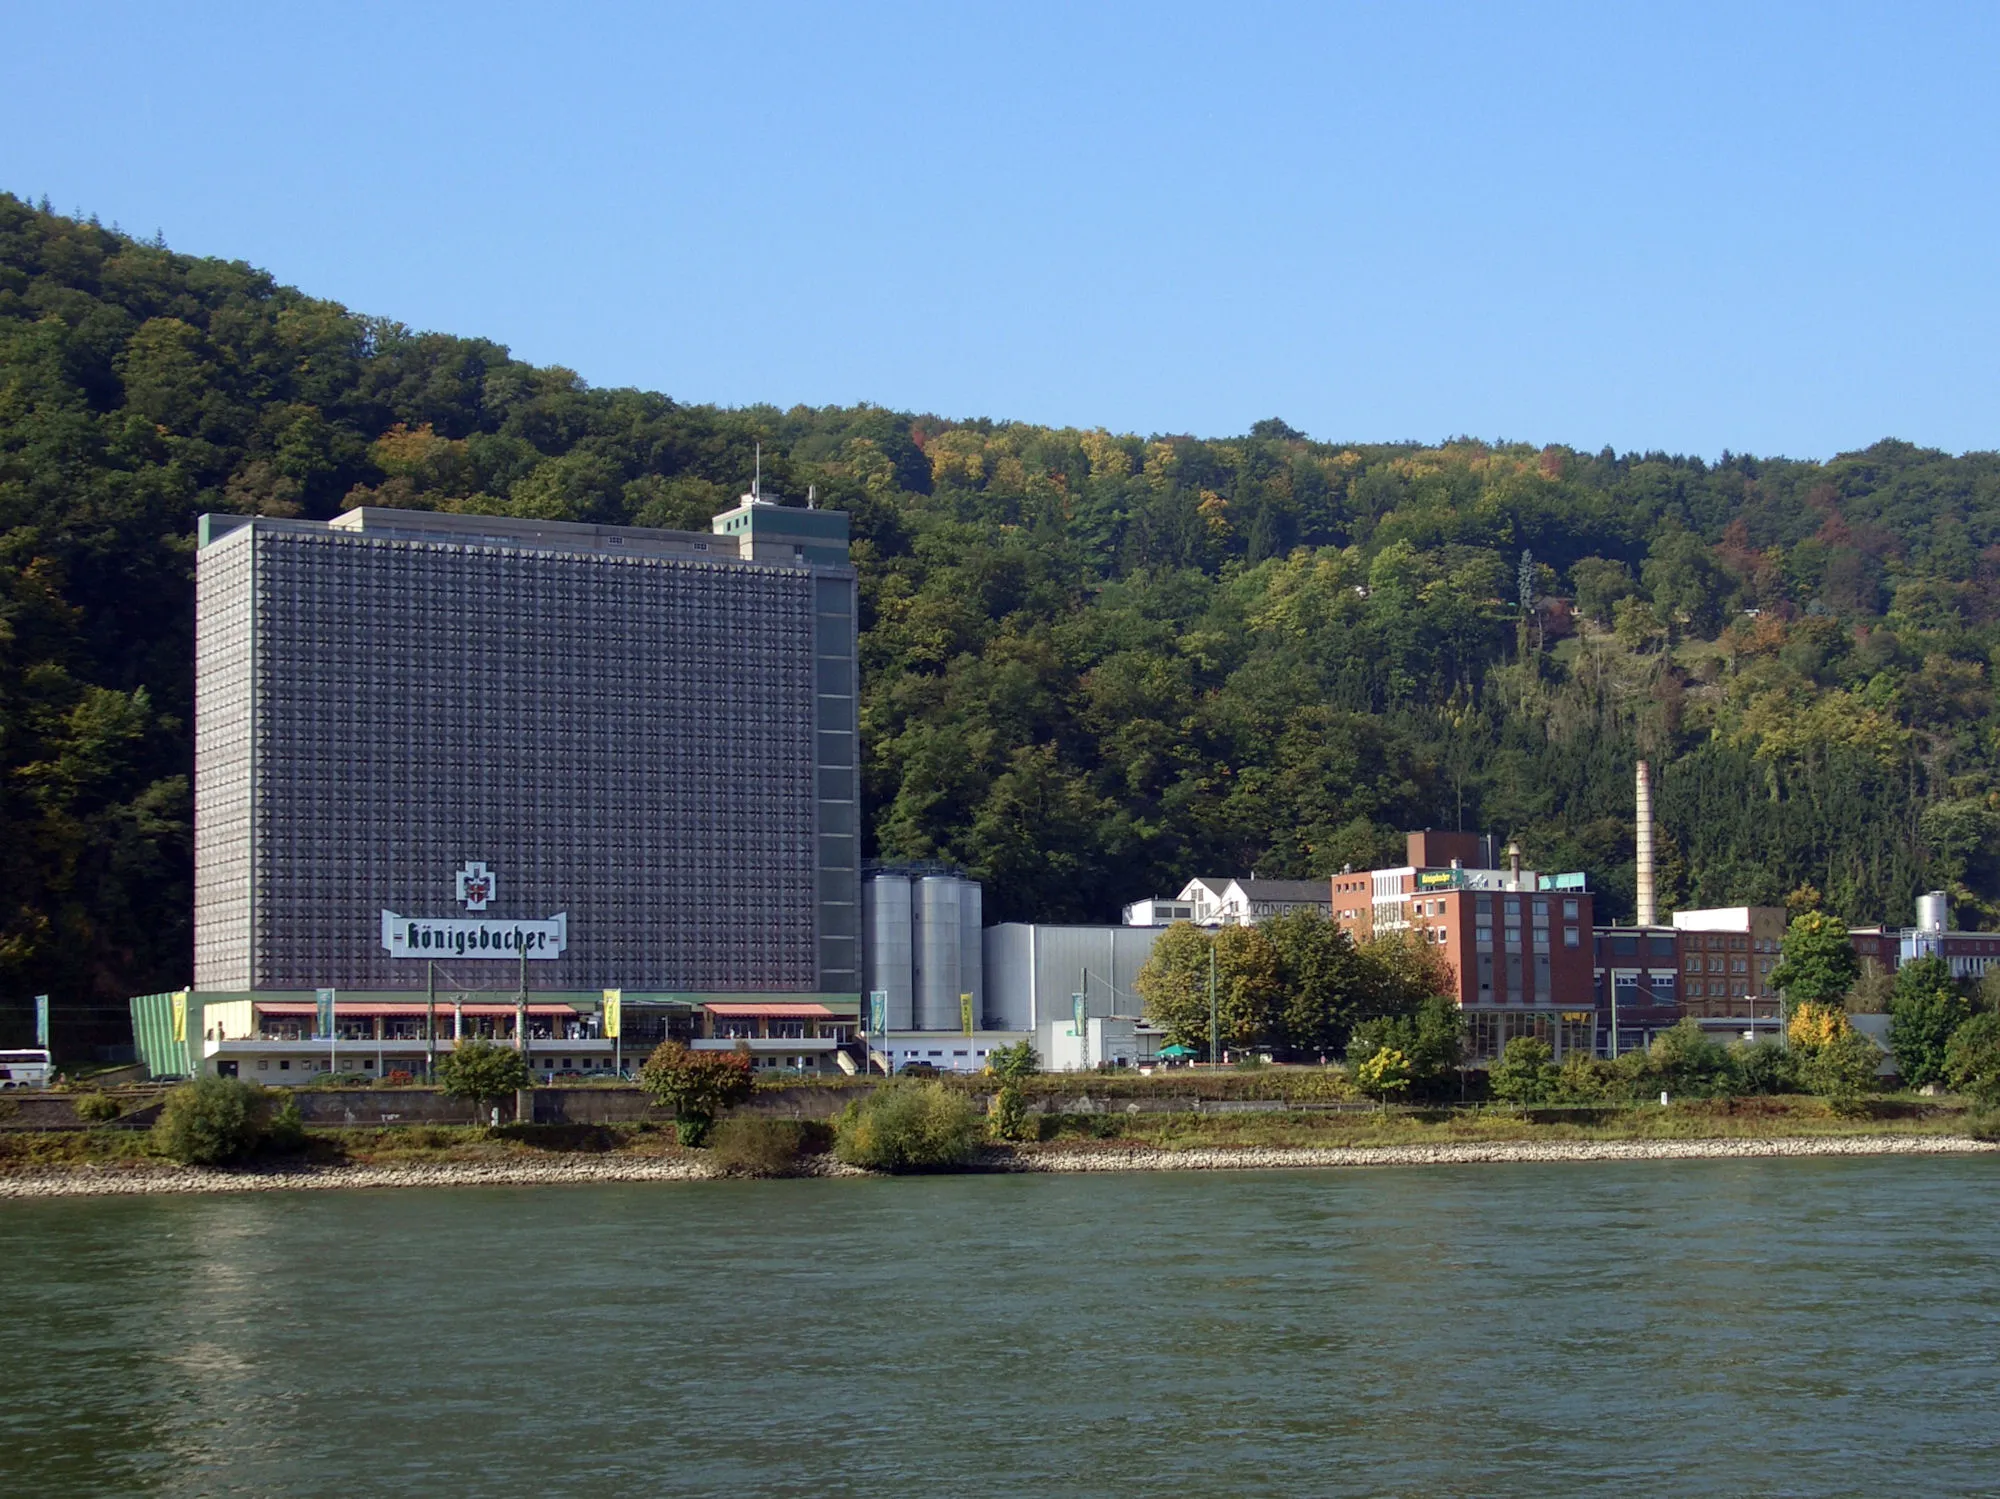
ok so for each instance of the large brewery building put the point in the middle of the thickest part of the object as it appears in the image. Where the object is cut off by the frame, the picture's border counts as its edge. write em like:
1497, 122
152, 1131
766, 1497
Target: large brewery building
441, 758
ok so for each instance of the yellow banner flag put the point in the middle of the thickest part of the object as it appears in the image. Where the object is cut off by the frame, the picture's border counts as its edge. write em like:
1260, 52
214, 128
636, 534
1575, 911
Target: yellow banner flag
614, 1004
180, 1009
965, 1012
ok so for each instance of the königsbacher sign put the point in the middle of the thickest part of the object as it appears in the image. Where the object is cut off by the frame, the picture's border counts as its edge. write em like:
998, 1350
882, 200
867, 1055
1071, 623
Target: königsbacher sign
424, 937
463, 937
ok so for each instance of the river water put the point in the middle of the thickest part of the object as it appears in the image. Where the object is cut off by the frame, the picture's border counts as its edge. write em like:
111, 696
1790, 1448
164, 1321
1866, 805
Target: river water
1817, 1326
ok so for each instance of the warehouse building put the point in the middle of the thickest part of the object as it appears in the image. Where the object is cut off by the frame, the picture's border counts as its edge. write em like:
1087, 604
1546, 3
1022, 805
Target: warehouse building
592, 757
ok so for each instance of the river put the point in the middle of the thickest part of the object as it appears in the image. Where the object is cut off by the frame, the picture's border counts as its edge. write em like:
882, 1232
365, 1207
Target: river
1699, 1327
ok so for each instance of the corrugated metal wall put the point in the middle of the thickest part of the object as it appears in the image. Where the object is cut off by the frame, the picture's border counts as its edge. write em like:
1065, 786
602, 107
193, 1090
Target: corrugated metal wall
1032, 970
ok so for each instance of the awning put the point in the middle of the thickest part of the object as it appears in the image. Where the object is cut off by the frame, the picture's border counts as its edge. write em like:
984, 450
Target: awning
771, 1011
359, 1008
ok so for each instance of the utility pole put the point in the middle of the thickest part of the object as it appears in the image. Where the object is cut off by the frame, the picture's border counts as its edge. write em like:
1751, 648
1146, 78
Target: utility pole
521, 1006
431, 1023
1214, 1016
1614, 1017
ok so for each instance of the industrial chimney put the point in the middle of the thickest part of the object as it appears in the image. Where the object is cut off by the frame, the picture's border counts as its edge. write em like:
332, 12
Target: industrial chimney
1649, 913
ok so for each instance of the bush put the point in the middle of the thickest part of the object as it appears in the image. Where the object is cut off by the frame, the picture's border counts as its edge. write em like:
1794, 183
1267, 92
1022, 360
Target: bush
1923, 1016
1842, 1070
484, 1072
908, 1127
1017, 1061
96, 1108
1687, 1063
696, 1085
1008, 1117
1383, 1073
1585, 1079
212, 1120
1765, 1066
287, 1130
1525, 1073
765, 1147
1972, 1059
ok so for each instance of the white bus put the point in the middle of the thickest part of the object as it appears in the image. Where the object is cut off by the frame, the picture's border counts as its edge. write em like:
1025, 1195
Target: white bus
28, 1068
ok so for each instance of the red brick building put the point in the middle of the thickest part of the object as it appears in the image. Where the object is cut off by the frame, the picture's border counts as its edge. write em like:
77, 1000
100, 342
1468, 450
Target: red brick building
1518, 944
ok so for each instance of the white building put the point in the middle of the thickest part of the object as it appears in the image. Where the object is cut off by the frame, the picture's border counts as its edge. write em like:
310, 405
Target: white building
1246, 902
1158, 910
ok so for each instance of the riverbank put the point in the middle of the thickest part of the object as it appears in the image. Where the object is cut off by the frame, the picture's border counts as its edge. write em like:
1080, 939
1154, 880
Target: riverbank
93, 1181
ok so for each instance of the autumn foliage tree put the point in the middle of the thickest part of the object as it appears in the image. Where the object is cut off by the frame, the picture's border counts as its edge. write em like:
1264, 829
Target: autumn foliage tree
696, 1085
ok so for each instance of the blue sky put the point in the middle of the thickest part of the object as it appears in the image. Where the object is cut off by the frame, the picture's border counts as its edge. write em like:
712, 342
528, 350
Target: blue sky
1768, 228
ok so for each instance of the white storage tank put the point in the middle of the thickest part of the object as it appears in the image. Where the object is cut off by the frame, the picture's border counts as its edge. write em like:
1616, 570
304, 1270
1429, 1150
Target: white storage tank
1933, 911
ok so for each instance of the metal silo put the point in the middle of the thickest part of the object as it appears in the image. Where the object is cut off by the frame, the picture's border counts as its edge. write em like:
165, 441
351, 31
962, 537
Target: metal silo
938, 904
1933, 911
971, 949
889, 959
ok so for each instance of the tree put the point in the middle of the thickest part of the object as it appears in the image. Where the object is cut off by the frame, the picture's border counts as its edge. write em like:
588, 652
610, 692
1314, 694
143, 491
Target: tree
1525, 1073
696, 1085
1925, 1011
1324, 983
1600, 584
1972, 1058
1383, 1074
484, 1072
1817, 964
1174, 984
209, 1121
1430, 1042
1834, 1059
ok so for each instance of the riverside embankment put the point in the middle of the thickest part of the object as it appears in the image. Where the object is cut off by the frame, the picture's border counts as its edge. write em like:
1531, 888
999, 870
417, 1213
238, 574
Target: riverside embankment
84, 1181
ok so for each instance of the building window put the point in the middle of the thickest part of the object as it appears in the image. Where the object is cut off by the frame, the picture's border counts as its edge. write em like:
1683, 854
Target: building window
1571, 937
1570, 909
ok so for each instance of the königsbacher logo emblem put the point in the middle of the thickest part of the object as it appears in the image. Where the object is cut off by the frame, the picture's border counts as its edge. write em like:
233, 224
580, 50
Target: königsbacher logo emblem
477, 885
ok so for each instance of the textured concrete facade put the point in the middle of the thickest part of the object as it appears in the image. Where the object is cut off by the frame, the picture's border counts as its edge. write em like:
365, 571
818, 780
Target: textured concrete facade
645, 731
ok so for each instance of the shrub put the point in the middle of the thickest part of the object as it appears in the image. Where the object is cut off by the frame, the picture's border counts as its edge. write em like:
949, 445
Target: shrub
1688, 1063
212, 1120
1764, 1067
1016, 1061
1841, 1070
1923, 1016
1525, 1073
1585, 1079
908, 1127
1008, 1118
1972, 1059
482, 1071
696, 1085
397, 1079
96, 1108
287, 1130
1383, 1073
765, 1147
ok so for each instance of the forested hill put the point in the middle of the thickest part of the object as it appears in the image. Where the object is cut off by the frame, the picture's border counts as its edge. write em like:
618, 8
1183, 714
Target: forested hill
1095, 664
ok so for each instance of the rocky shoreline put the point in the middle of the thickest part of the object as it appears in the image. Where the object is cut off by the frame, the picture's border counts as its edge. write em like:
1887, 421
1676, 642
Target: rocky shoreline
1275, 1158
98, 1181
